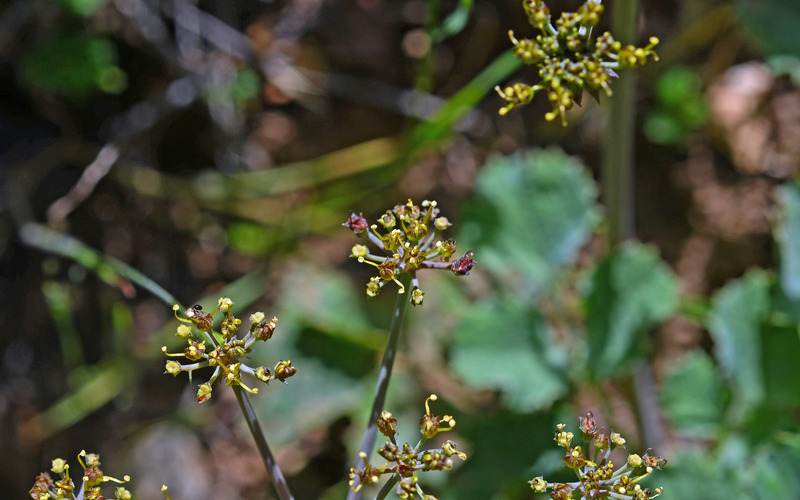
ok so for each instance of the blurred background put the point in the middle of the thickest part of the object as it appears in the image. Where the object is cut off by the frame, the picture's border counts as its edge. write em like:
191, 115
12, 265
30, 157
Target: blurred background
163, 151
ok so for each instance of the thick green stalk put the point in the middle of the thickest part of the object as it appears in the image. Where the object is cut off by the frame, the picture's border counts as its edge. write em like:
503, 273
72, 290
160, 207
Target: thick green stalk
618, 157
618, 181
261, 443
368, 441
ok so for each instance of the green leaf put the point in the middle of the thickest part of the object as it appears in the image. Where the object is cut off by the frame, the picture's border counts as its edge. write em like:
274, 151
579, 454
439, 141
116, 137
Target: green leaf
533, 212
781, 350
75, 66
509, 347
737, 312
453, 23
631, 290
787, 235
772, 24
692, 395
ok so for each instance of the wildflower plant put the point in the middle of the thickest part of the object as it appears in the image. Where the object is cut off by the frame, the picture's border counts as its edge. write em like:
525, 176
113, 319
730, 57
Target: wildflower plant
226, 351
403, 462
89, 487
409, 242
569, 60
591, 463
222, 349
408, 238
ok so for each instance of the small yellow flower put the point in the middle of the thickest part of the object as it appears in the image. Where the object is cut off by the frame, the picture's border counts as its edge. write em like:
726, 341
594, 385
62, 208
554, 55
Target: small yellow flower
173, 367
184, 331
538, 484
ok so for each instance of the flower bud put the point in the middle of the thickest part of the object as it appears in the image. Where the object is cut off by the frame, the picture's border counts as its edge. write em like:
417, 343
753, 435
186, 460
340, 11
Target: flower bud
173, 367
204, 393
284, 370
357, 223
463, 265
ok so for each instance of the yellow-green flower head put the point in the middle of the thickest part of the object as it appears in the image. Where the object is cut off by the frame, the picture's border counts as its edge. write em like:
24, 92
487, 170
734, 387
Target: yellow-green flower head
224, 304
538, 484
184, 331
359, 251
635, 460
59, 465
408, 238
257, 317
173, 368
617, 439
568, 60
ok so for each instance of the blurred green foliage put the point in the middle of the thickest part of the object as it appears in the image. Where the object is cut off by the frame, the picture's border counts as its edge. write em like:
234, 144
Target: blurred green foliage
680, 107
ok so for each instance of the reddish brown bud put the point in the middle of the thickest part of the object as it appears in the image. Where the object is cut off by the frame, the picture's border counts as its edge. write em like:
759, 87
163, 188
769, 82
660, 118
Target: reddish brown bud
463, 265
357, 223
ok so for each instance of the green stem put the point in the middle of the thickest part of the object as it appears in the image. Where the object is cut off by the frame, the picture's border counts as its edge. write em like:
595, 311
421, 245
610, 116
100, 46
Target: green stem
618, 181
261, 443
618, 157
387, 488
384, 375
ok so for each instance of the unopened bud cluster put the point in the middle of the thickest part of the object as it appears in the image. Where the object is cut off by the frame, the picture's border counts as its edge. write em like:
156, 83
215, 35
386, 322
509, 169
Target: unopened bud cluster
595, 471
89, 486
569, 60
404, 461
409, 240
222, 349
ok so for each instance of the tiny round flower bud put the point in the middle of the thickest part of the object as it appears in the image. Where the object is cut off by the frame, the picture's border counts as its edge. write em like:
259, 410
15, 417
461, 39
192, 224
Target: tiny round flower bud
204, 393
58, 465
416, 296
284, 370
388, 220
441, 223
356, 223
463, 265
387, 424
635, 460
92, 460
257, 317
359, 251
173, 367
538, 484
617, 439
122, 494
373, 287
224, 304
263, 374
184, 331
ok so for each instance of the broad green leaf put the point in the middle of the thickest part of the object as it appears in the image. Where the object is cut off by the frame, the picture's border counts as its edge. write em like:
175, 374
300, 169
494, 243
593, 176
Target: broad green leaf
506, 346
737, 312
75, 66
692, 395
502, 448
781, 350
787, 235
631, 291
533, 212
772, 24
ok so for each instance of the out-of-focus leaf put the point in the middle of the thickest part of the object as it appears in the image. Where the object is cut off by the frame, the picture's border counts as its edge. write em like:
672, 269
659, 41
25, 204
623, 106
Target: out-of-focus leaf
76, 65
503, 447
631, 290
453, 23
465, 100
781, 350
787, 235
772, 24
325, 301
773, 473
249, 239
507, 346
692, 395
83, 7
737, 313
533, 212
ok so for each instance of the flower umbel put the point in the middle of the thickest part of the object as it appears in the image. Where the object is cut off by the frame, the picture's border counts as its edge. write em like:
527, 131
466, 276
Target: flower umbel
223, 349
404, 461
89, 488
594, 469
569, 60
409, 242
